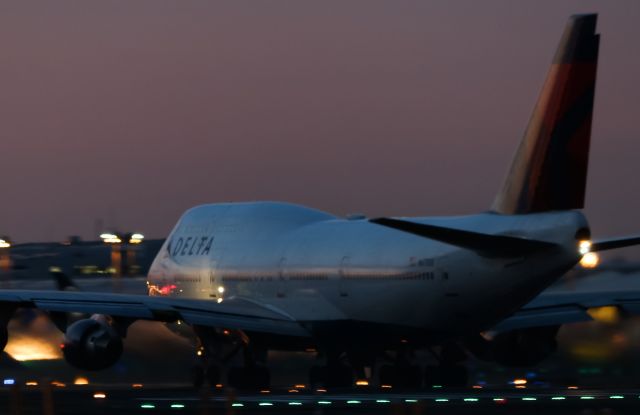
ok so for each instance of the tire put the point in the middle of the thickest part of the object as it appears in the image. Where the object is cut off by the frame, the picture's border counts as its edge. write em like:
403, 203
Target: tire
408, 377
213, 375
249, 378
454, 376
318, 376
197, 376
339, 376
387, 375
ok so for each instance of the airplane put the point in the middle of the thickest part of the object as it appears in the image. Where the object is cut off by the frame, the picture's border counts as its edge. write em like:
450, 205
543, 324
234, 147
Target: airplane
248, 278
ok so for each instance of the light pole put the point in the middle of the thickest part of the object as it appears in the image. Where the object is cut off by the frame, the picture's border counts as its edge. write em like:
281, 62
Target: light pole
133, 240
122, 265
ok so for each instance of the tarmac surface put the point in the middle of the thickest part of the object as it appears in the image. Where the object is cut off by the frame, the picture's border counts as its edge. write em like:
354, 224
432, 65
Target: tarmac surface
138, 399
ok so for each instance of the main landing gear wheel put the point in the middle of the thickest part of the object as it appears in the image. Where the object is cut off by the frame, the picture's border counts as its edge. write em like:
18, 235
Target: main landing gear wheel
331, 376
450, 376
401, 376
210, 374
197, 376
249, 377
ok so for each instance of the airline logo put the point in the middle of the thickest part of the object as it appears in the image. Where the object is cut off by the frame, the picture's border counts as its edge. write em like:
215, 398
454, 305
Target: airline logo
190, 246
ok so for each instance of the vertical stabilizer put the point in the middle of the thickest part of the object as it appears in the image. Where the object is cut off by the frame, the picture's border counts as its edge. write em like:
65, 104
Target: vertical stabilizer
549, 170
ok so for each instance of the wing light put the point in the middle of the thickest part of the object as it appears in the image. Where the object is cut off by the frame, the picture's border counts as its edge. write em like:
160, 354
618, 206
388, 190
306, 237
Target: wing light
584, 247
590, 260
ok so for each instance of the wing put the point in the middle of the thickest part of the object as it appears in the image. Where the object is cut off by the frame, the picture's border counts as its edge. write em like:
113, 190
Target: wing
484, 244
232, 313
577, 303
614, 243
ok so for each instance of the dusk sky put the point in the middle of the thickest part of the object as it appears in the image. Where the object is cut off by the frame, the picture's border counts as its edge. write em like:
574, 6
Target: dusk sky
130, 112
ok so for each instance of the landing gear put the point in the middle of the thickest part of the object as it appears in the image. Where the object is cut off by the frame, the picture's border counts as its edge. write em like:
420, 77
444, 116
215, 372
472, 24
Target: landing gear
214, 349
336, 373
201, 374
449, 376
401, 376
249, 378
254, 375
451, 372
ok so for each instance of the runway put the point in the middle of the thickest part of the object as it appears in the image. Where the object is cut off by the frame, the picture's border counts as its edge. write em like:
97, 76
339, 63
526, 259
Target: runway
138, 399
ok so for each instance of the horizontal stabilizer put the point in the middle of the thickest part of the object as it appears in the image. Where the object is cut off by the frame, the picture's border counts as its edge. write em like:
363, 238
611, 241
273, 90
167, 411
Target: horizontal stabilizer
614, 243
482, 243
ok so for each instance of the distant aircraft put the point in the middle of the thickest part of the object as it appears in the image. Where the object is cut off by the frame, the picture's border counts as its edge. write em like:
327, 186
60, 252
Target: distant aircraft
254, 277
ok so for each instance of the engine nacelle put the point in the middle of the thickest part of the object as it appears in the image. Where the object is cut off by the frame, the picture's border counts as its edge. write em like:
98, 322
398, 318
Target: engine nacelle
92, 344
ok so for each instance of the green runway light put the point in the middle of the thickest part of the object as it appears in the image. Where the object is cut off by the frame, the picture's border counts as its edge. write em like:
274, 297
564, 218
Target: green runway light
498, 399
265, 404
616, 397
147, 406
237, 404
436, 386
442, 400
411, 400
177, 406
587, 397
558, 398
471, 399
353, 402
529, 398
324, 402
295, 403
383, 401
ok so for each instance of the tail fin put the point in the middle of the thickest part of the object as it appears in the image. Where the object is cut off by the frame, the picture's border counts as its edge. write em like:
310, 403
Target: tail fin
549, 170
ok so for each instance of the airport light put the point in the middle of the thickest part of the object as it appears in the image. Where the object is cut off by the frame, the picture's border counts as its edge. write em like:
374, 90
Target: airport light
5, 243
110, 238
136, 238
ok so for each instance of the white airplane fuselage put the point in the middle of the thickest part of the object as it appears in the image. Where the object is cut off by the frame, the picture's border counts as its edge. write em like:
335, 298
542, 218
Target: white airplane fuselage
317, 268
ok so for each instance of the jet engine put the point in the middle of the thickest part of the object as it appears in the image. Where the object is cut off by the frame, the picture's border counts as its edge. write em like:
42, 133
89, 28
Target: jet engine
92, 344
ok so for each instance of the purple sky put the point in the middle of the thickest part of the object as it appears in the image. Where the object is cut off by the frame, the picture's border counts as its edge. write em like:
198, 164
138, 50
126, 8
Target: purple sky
133, 111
